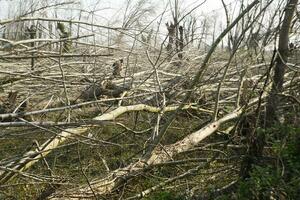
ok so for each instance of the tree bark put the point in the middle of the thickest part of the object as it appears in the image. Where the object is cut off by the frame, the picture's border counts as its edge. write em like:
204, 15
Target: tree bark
181, 44
31, 157
281, 60
171, 35
160, 154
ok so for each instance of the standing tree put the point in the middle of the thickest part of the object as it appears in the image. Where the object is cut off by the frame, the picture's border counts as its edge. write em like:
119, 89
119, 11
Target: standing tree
281, 60
171, 35
63, 35
32, 34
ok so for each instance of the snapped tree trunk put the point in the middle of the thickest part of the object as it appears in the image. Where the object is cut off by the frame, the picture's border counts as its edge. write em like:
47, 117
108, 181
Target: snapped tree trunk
32, 35
171, 35
180, 54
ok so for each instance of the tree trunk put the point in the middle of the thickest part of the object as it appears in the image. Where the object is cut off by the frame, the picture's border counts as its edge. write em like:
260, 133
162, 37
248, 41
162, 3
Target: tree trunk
171, 35
181, 45
281, 60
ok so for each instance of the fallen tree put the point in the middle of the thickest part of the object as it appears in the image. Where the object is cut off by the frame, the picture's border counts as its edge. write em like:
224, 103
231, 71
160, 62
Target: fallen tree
160, 154
33, 156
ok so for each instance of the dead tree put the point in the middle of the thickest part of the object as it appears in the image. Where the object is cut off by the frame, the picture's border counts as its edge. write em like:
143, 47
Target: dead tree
63, 35
32, 35
117, 68
181, 44
171, 35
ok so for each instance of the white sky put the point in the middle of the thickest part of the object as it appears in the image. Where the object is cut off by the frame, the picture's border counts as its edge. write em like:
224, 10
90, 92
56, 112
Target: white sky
113, 6
111, 12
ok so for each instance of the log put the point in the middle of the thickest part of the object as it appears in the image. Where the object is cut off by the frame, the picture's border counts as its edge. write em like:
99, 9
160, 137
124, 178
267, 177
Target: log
31, 157
161, 154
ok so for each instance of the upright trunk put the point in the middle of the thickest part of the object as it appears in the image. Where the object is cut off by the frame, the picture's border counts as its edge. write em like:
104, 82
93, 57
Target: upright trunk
281, 60
180, 53
176, 26
171, 35
255, 141
50, 28
32, 35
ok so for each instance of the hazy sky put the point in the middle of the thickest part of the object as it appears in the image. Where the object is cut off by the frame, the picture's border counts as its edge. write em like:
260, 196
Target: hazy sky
113, 6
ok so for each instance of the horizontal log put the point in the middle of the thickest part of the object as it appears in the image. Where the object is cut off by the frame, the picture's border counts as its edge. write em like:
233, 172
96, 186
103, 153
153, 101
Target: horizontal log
55, 56
31, 157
